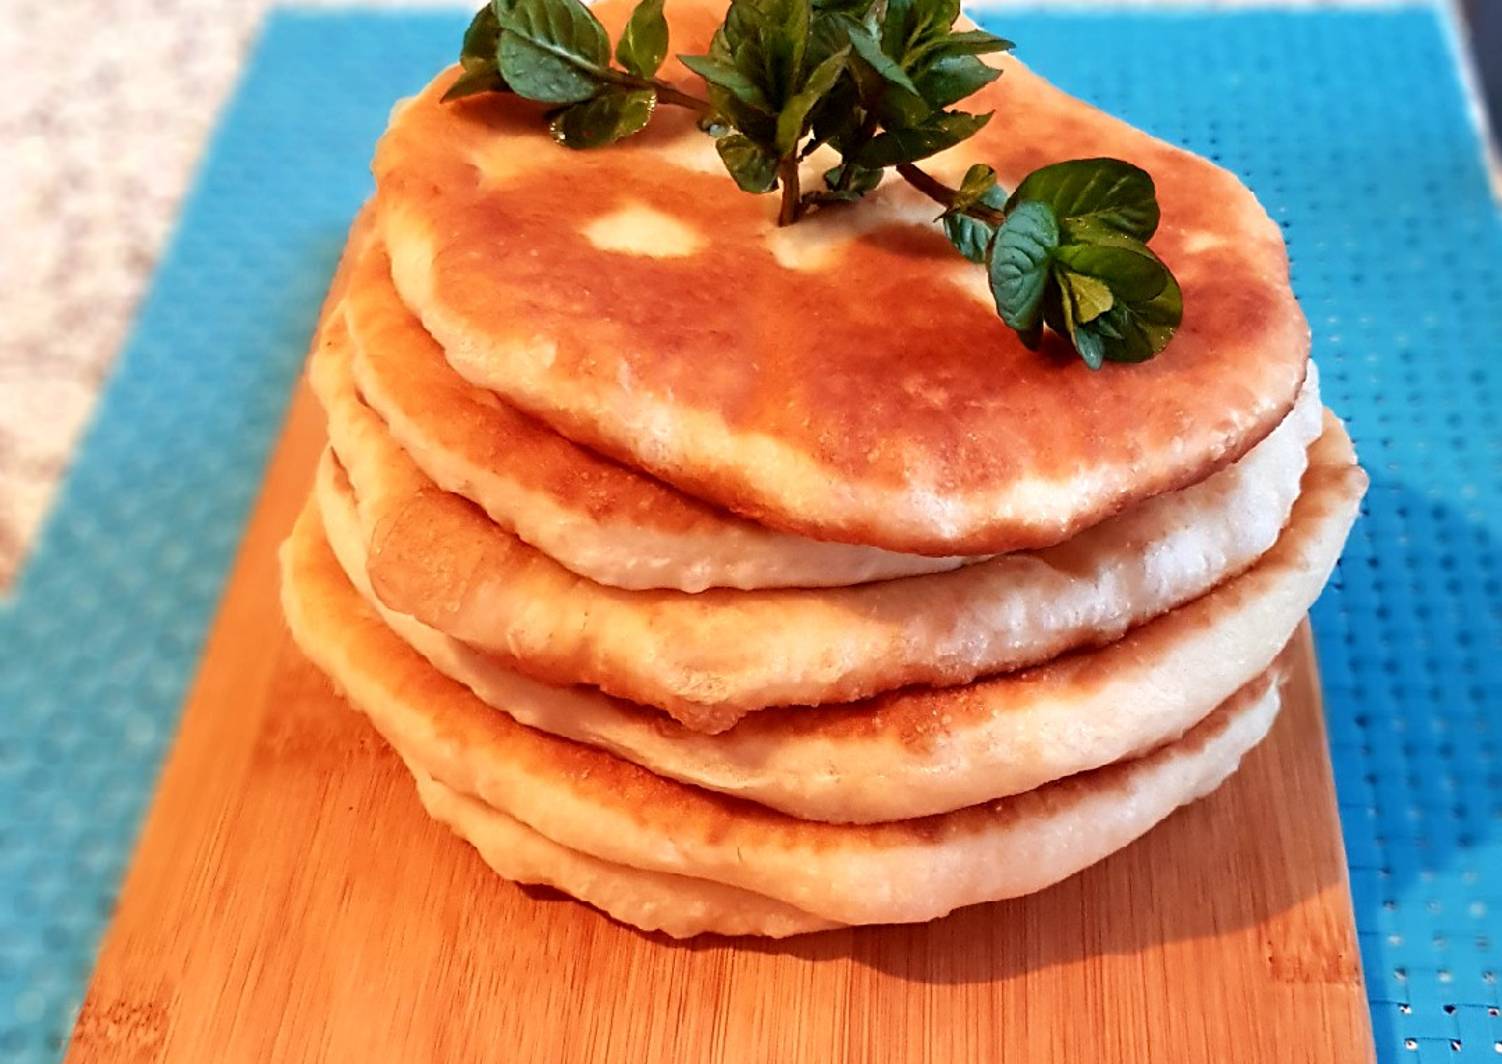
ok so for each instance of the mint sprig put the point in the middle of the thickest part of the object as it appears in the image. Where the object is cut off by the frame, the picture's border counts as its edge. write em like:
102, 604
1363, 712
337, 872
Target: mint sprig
877, 81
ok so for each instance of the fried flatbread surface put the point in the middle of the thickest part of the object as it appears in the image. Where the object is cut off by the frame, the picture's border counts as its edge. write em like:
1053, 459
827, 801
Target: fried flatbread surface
847, 377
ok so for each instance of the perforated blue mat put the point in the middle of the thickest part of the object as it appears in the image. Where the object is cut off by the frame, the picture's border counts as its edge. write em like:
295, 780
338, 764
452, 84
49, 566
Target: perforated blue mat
1351, 127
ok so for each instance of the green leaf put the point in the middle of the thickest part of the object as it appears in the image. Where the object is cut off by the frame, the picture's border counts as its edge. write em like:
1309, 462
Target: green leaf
1106, 192
939, 14
477, 56
1136, 331
732, 80
899, 25
784, 42
1133, 273
1019, 270
470, 82
972, 236
900, 109
792, 121
1145, 307
766, 40
952, 78
859, 183
1090, 345
1058, 313
910, 24
644, 41
973, 42
978, 180
838, 116
934, 46
481, 39
753, 166
553, 51
936, 134
1089, 297
615, 113
890, 71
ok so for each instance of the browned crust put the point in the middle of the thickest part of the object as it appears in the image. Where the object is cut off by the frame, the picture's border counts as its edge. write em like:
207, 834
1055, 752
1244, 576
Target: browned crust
885, 328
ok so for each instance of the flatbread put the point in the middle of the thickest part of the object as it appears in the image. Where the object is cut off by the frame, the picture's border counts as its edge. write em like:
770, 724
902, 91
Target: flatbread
680, 906
710, 658
597, 804
921, 750
845, 378
597, 517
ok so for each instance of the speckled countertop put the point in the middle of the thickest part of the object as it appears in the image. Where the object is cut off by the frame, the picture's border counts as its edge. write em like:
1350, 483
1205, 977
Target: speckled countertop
104, 107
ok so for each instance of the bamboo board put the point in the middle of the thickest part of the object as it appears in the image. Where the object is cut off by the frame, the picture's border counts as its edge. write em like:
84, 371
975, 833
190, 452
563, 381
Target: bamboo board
290, 901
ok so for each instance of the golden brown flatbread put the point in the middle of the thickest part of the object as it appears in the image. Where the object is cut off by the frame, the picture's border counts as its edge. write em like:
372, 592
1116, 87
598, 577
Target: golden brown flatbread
845, 378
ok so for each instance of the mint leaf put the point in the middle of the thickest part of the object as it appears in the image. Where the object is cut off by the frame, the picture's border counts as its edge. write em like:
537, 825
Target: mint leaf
1143, 311
1135, 331
477, 57
842, 189
1133, 273
753, 166
644, 41
973, 42
471, 82
766, 41
604, 119
1105, 192
972, 236
909, 24
869, 49
1089, 297
979, 179
792, 122
952, 78
1019, 268
553, 51
481, 39
728, 77
783, 37
935, 134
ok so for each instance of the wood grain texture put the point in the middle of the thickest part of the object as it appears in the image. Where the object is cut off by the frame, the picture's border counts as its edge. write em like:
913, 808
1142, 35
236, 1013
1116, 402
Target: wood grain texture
290, 901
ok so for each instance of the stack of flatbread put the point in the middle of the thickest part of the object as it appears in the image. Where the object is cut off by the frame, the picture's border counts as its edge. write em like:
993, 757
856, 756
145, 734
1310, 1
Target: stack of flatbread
755, 580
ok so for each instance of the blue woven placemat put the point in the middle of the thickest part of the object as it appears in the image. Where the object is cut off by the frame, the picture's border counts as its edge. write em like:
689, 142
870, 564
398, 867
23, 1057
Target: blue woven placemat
1352, 129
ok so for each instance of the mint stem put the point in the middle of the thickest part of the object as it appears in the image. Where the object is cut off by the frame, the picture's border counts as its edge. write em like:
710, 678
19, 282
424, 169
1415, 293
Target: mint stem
787, 176
943, 195
667, 94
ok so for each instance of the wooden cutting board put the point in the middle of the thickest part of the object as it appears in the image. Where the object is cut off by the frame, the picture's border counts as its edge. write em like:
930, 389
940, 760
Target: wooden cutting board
290, 901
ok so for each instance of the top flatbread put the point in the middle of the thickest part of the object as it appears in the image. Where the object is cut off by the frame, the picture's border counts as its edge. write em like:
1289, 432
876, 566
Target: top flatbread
845, 378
